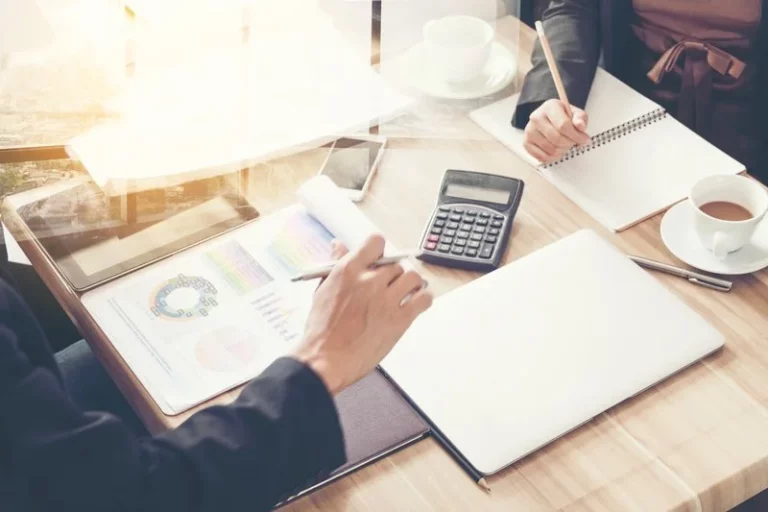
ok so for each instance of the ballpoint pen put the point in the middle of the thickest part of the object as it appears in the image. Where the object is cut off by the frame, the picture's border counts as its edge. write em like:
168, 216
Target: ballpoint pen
325, 270
694, 277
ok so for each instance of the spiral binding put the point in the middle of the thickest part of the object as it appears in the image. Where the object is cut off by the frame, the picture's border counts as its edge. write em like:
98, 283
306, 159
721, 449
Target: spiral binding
611, 135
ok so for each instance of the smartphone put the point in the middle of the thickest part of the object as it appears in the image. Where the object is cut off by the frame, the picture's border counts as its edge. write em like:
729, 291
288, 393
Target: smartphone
352, 162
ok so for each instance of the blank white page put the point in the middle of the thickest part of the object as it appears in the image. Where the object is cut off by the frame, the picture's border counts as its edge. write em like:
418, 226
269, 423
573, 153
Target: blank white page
521, 356
640, 174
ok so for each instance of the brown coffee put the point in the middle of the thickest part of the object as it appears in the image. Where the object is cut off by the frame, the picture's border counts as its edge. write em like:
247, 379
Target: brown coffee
724, 210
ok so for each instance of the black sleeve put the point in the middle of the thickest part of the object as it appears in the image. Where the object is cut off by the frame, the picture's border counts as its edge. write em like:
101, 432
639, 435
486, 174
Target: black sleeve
282, 432
573, 30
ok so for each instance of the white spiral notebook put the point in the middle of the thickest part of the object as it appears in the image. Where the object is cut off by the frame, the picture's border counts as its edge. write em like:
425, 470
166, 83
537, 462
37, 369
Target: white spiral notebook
640, 161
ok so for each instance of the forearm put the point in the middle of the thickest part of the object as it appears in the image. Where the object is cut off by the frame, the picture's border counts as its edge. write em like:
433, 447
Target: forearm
573, 30
282, 431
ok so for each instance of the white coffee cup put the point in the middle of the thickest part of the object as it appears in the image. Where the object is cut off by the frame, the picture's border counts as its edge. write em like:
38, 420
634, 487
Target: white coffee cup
724, 236
458, 47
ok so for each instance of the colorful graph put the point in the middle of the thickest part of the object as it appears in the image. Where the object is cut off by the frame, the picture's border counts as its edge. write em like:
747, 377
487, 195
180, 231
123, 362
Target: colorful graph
302, 243
183, 298
238, 268
226, 349
278, 312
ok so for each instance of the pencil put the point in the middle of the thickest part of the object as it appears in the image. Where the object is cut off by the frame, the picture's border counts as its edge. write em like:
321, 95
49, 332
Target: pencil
459, 458
553, 68
325, 270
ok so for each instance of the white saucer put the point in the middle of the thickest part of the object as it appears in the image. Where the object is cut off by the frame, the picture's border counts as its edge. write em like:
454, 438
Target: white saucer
415, 70
680, 238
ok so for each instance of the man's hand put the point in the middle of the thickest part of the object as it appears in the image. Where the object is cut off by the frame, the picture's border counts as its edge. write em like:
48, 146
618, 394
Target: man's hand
359, 314
550, 133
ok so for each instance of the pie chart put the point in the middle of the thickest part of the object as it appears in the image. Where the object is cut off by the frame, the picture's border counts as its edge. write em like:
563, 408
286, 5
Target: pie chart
227, 349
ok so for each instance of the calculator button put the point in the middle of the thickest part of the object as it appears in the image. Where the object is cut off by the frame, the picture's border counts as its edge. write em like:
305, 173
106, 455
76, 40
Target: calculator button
482, 222
460, 242
493, 231
463, 234
469, 220
430, 246
439, 223
484, 215
444, 209
472, 213
457, 250
437, 231
444, 248
446, 240
453, 225
477, 236
479, 229
442, 215
458, 210
487, 251
433, 238
456, 218
474, 245
471, 253
496, 223
498, 217
449, 232
466, 227
490, 239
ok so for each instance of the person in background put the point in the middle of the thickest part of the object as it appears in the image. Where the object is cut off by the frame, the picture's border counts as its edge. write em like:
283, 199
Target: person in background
283, 430
705, 62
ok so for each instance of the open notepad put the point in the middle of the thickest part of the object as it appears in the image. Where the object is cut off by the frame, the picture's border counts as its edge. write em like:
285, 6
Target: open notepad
640, 160
216, 315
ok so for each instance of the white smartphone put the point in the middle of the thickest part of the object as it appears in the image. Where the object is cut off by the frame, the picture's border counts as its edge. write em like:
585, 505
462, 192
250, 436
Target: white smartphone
352, 162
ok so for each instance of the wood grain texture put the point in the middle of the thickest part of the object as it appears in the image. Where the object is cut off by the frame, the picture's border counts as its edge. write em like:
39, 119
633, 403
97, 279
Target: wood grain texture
698, 441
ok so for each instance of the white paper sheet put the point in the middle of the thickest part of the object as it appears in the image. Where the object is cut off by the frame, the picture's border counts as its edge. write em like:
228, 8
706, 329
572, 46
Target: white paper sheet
631, 177
215, 316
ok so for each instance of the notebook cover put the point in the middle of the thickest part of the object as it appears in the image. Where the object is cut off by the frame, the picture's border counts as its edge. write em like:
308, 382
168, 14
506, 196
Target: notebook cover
376, 421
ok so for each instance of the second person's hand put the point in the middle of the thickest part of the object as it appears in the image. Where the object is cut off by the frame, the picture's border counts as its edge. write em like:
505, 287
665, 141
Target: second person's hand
550, 132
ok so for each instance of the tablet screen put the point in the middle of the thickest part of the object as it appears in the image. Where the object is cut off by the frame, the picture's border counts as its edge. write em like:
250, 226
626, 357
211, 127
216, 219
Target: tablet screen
93, 238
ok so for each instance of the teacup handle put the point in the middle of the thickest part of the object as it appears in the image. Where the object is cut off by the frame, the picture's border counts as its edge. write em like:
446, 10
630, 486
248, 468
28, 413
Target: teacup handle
719, 245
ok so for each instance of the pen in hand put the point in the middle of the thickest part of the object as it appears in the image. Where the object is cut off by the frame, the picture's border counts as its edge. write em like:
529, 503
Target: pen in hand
325, 270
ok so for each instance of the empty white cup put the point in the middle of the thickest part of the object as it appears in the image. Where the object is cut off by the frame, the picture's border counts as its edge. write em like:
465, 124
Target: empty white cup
725, 236
458, 47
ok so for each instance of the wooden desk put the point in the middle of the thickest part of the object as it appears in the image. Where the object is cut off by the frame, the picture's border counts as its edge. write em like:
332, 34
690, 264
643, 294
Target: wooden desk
698, 441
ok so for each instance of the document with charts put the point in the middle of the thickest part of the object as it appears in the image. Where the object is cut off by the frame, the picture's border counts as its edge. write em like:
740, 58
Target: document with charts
639, 162
215, 316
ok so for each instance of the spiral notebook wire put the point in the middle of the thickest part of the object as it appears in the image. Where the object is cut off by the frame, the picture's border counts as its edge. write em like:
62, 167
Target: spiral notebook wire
611, 135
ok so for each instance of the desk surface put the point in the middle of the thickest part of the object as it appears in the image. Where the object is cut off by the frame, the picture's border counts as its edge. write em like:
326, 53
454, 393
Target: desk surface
698, 441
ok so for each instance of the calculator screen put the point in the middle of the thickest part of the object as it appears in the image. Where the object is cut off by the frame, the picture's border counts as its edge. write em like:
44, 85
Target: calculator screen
488, 195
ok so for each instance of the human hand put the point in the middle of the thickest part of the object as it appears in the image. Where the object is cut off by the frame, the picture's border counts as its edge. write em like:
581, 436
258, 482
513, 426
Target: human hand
359, 314
550, 133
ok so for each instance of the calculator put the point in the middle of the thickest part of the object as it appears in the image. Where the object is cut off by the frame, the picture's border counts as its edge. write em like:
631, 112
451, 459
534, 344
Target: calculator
471, 223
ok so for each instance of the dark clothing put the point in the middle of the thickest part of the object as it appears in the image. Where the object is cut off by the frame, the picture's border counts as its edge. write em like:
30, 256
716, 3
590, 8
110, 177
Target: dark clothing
90, 387
579, 30
282, 432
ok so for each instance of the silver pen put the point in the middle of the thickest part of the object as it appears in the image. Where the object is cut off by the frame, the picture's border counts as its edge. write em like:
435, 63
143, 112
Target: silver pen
325, 270
694, 277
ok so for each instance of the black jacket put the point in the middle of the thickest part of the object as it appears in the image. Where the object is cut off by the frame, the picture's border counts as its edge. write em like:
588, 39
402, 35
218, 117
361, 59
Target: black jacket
578, 31
280, 434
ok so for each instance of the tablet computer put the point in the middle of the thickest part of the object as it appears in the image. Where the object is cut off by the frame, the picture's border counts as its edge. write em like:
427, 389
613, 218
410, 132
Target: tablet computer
93, 238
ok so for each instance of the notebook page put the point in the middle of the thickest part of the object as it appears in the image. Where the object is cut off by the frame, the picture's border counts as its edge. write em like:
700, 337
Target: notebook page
611, 103
643, 173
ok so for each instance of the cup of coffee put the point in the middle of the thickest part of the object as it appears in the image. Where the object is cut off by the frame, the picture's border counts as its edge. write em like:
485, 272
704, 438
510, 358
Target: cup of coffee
458, 47
728, 211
